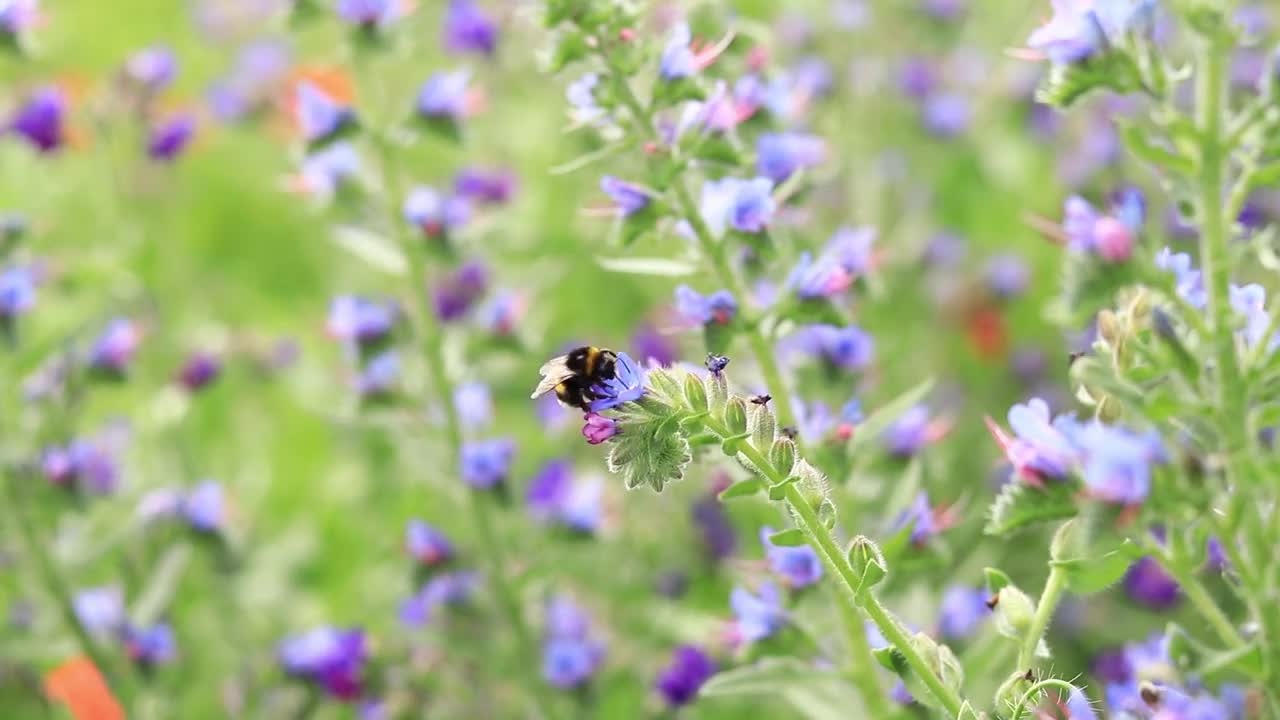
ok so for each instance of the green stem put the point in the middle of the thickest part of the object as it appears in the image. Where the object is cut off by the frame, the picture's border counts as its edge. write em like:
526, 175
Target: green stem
1054, 588
714, 254
861, 668
1035, 690
1204, 603
838, 565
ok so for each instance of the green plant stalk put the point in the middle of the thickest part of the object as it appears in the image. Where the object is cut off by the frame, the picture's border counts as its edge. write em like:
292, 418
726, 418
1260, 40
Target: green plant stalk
1204, 603
838, 565
713, 251
1054, 587
861, 669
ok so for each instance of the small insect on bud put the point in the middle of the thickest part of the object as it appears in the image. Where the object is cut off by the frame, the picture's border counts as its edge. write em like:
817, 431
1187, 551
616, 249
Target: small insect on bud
789, 431
1073, 357
716, 363
761, 399
1150, 695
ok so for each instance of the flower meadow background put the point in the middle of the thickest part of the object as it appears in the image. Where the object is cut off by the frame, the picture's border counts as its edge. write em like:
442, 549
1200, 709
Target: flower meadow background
984, 368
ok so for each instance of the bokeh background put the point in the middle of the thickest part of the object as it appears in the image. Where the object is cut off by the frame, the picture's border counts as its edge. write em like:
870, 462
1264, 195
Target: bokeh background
934, 140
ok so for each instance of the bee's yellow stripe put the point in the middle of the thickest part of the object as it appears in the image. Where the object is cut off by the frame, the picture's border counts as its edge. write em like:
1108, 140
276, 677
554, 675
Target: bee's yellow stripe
593, 356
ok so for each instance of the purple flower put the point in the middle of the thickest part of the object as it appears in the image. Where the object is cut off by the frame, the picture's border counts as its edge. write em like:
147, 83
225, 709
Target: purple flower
320, 116
1007, 275
443, 590
744, 205
150, 645
17, 16
260, 68
570, 656
17, 292
114, 349
699, 310
152, 69
585, 110
679, 682
459, 292
436, 214
922, 520
100, 610
847, 348
328, 169
548, 488
84, 464
474, 404
716, 532
947, 115
757, 615
369, 13
380, 375
168, 139
1148, 583
963, 610
1250, 302
716, 363
41, 120
444, 96
502, 312
205, 507
911, 432
468, 29
918, 77
199, 371
1078, 706
678, 60
487, 463
1117, 462
1040, 448
426, 544
1110, 236
353, 318
822, 278
946, 9
332, 658
779, 155
488, 187
629, 198
1189, 282
597, 428
627, 385
797, 566
654, 346
1072, 35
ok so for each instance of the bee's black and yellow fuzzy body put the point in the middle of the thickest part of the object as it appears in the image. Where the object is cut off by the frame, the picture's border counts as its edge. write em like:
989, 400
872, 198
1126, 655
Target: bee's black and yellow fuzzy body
574, 374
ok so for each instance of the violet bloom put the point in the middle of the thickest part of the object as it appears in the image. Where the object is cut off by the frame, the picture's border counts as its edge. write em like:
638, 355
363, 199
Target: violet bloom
168, 139
744, 205
1250, 303
456, 294
468, 29
1112, 237
679, 682
962, 611
1148, 584
921, 518
368, 13
502, 312
329, 169
910, 433
151, 645
152, 69
1007, 275
204, 508
17, 292
677, 59
443, 590
487, 187
1117, 462
444, 96
947, 115
570, 655
435, 214
260, 69
426, 544
199, 371
332, 658
796, 566
40, 121
114, 348
321, 117
1072, 35
486, 464
698, 310
812, 279
628, 197
548, 488
17, 17
584, 108
1189, 281
100, 611
947, 10
353, 318
918, 77
780, 155
597, 428
474, 404
1078, 706
627, 385
380, 375
846, 348
84, 464
714, 529
757, 615
1040, 448
653, 346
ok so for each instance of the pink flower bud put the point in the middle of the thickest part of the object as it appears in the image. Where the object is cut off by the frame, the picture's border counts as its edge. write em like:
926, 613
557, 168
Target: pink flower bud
1114, 238
598, 428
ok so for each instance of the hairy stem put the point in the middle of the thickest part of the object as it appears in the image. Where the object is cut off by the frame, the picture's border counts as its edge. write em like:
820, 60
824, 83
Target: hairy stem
1204, 603
1054, 587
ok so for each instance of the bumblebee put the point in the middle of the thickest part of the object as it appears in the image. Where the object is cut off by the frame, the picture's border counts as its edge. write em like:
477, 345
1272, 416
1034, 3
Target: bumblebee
574, 374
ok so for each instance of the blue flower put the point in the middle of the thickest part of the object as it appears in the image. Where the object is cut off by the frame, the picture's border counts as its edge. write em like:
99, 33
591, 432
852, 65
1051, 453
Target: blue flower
168, 139
474, 404
426, 544
380, 375
745, 205
627, 385
150, 645
152, 69
629, 198
922, 520
679, 682
114, 348
678, 60
84, 464
1190, 283
100, 610
332, 658
501, 313
199, 371
487, 463
443, 590
548, 488
797, 566
822, 278
1147, 583
40, 120
205, 507
779, 155
436, 214
444, 95
848, 348
259, 69
468, 29
698, 310
321, 117
1072, 35
1007, 275
911, 432
947, 115
17, 16
329, 169
585, 109
719, 540
17, 292
1041, 448
1250, 302
758, 615
454, 295
368, 13
963, 609
1078, 706
1117, 462
487, 187
361, 320
570, 655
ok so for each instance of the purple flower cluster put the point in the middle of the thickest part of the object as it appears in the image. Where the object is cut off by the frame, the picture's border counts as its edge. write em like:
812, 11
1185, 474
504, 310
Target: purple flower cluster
436, 214
757, 615
331, 658
679, 682
846, 348
443, 590
1141, 680
797, 567
554, 496
486, 464
571, 654
698, 310
1111, 236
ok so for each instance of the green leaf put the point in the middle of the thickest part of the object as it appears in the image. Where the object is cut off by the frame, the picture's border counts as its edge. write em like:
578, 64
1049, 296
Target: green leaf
870, 429
779, 491
662, 267
745, 488
996, 580
791, 537
373, 249
650, 452
1140, 143
814, 693
162, 585
1086, 575
1019, 505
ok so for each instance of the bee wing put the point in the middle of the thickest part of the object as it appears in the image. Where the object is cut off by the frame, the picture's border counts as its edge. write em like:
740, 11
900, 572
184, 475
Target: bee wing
553, 373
